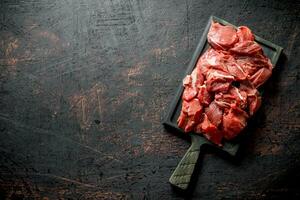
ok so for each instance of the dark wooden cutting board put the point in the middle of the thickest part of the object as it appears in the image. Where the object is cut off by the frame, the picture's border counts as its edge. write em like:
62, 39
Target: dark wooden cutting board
184, 171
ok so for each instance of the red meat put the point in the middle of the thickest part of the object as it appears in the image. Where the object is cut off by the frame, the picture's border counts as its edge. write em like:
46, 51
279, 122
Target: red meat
253, 97
212, 59
236, 70
233, 96
220, 94
187, 81
194, 109
209, 130
234, 122
247, 65
189, 93
246, 48
254, 103
204, 96
260, 77
182, 120
214, 113
190, 114
244, 34
197, 78
221, 37
239, 96
218, 81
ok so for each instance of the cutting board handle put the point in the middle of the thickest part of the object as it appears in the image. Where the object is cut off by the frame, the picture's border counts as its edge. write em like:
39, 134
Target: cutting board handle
182, 175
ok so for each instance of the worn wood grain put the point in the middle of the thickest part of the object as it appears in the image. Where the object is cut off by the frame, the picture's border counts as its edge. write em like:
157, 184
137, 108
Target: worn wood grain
84, 85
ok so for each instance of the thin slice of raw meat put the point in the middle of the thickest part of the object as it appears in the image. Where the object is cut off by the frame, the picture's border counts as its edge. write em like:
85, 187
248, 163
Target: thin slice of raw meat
253, 97
214, 113
260, 77
247, 65
234, 122
209, 130
189, 126
197, 78
254, 102
182, 120
204, 96
218, 86
212, 59
244, 34
247, 47
233, 96
221, 37
236, 70
218, 81
190, 114
189, 93
187, 81
239, 96
185, 106
194, 109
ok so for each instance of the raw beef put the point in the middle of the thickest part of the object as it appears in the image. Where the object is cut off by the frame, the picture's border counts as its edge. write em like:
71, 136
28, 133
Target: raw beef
244, 34
221, 37
221, 92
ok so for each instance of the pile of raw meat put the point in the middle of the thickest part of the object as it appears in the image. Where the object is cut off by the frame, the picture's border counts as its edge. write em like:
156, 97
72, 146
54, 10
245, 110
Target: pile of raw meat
221, 92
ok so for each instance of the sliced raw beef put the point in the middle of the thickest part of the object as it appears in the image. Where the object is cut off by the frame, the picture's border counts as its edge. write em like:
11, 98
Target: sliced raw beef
211, 59
209, 130
214, 113
190, 114
253, 97
260, 77
204, 96
233, 96
239, 96
218, 81
187, 81
244, 34
236, 70
246, 48
254, 102
197, 78
234, 122
221, 37
182, 120
246, 63
194, 109
221, 92
189, 93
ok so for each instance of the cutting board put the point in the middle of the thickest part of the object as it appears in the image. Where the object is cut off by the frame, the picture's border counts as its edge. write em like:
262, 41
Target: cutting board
184, 171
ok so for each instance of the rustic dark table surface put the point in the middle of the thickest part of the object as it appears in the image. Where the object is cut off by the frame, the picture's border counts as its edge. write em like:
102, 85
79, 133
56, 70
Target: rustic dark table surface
85, 84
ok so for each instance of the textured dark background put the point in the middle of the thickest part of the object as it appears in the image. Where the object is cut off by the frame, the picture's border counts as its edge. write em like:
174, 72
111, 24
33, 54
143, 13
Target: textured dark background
84, 85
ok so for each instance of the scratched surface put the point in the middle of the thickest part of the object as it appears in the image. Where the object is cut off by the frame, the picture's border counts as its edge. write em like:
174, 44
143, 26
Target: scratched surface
84, 85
